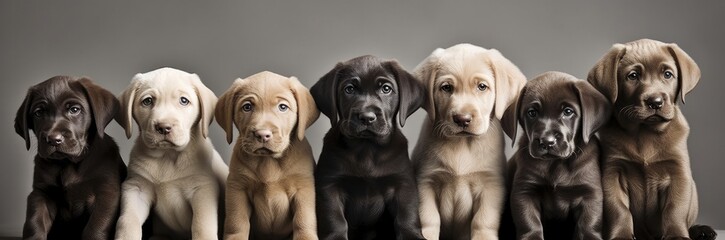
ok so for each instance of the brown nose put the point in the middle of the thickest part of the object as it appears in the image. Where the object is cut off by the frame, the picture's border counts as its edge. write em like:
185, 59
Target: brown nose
462, 120
163, 128
654, 102
367, 117
54, 139
263, 135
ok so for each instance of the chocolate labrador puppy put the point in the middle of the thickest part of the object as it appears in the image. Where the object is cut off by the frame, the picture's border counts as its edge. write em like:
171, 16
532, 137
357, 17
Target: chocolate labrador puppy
649, 192
556, 186
78, 169
364, 180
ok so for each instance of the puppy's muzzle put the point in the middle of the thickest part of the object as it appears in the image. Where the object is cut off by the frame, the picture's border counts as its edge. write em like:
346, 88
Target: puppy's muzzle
654, 103
263, 135
367, 118
54, 139
547, 142
462, 120
163, 128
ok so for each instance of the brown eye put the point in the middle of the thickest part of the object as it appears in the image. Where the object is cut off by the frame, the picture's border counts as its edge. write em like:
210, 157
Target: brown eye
184, 101
38, 112
74, 110
387, 89
633, 75
447, 88
568, 112
668, 74
147, 101
532, 113
247, 107
349, 89
482, 87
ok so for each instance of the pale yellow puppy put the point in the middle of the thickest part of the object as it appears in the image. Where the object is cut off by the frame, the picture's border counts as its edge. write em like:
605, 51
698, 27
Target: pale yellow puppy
459, 158
270, 191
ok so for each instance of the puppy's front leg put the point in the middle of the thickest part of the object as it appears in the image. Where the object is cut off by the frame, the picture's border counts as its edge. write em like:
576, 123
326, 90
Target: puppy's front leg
136, 200
677, 206
331, 222
526, 211
488, 207
589, 218
407, 220
304, 220
617, 217
104, 212
205, 209
430, 218
236, 224
39, 218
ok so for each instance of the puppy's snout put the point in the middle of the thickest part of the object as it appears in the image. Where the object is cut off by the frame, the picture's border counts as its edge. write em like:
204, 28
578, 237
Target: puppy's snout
163, 128
462, 120
547, 142
654, 102
54, 139
263, 135
367, 117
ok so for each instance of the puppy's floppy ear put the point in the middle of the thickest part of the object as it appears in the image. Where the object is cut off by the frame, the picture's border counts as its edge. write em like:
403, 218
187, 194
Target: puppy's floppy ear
225, 110
124, 116
426, 72
595, 109
207, 101
411, 90
603, 76
307, 112
104, 106
22, 122
688, 73
510, 119
325, 94
509, 81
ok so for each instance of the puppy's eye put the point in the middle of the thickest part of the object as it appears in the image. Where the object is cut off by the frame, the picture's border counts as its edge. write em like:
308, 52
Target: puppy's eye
74, 110
349, 89
283, 107
387, 89
247, 107
38, 112
668, 74
447, 87
184, 101
482, 87
147, 101
532, 113
633, 75
568, 112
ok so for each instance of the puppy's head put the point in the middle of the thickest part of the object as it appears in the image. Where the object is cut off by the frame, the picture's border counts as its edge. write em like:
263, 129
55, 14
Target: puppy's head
557, 112
643, 79
65, 113
170, 107
363, 96
268, 110
467, 87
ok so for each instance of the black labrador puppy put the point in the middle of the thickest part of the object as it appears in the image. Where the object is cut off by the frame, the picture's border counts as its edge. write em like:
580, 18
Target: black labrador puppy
364, 182
78, 168
556, 186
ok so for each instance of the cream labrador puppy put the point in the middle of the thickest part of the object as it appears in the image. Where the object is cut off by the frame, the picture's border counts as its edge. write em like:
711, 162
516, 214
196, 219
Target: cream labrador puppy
174, 169
270, 192
459, 159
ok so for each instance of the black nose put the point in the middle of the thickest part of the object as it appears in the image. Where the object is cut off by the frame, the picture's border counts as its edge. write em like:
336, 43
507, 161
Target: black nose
163, 128
367, 117
547, 142
654, 102
462, 120
54, 139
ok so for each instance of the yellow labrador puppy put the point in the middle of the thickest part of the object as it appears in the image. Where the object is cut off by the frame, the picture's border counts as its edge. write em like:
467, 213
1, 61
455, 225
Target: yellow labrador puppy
174, 169
270, 192
459, 158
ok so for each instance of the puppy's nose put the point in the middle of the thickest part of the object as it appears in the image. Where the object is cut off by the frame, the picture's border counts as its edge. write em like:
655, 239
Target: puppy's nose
54, 139
367, 117
462, 120
547, 142
655, 102
163, 128
263, 135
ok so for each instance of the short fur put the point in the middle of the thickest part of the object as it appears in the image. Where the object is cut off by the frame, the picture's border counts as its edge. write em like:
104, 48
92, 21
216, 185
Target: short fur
270, 192
556, 180
78, 169
364, 180
174, 170
459, 159
649, 192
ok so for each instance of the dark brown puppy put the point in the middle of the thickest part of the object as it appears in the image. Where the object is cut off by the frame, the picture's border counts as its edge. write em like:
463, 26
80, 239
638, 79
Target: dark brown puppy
556, 184
649, 192
78, 169
364, 180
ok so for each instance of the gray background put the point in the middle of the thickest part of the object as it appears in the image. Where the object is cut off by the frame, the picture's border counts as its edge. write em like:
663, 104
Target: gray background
110, 41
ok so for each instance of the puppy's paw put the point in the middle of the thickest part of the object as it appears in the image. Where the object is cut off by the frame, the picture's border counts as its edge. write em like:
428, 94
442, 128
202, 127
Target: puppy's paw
702, 232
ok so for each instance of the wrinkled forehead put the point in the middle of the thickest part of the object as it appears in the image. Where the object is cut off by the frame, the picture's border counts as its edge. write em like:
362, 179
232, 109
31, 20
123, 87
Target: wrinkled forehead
550, 92
57, 90
651, 55
266, 89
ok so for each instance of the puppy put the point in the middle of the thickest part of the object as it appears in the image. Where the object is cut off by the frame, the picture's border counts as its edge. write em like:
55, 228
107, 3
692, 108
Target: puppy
270, 190
648, 188
556, 183
78, 169
364, 180
459, 158
174, 169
